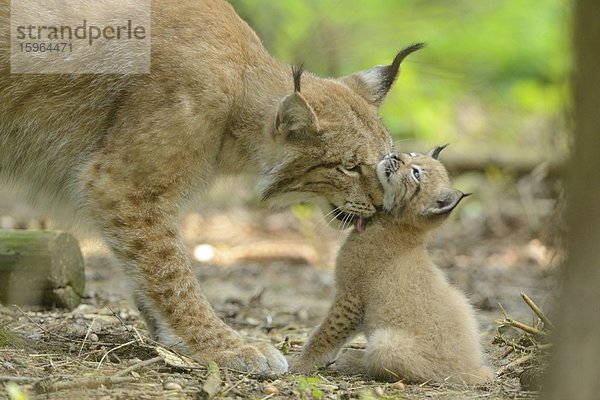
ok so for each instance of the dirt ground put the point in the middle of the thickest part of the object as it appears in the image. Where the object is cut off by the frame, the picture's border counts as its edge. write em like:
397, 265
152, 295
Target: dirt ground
269, 274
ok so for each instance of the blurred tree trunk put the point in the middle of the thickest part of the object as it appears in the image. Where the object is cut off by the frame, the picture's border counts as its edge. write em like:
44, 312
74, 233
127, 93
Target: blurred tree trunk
575, 369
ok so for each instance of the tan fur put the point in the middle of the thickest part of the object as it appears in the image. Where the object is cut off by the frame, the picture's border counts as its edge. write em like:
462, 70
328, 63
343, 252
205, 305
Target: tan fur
128, 152
417, 325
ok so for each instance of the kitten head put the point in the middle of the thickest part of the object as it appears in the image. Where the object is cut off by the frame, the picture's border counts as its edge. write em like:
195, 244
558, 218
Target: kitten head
417, 188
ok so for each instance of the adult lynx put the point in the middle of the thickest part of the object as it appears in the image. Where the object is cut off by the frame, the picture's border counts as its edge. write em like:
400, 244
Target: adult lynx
418, 327
127, 152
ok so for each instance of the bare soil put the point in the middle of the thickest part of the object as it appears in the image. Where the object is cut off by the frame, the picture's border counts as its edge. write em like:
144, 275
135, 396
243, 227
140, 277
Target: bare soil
269, 274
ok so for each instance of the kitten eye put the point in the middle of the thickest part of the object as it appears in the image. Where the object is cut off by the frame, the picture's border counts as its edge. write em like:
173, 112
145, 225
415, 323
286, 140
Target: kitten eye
416, 174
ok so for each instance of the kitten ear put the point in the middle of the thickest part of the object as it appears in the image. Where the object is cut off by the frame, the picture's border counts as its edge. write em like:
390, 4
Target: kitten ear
435, 153
375, 83
295, 118
446, 201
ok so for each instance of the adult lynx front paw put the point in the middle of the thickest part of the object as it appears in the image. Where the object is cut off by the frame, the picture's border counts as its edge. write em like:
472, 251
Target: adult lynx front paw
261, 359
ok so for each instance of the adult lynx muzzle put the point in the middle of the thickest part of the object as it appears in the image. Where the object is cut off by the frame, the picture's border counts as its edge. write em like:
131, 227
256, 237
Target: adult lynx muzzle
126, 152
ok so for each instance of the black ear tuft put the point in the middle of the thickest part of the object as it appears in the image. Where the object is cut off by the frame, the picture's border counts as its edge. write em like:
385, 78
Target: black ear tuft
297, 71
435, 153
390, 72
374, 84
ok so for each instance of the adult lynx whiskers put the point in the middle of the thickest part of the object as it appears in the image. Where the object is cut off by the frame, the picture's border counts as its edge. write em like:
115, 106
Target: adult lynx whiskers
418, 327
126, 152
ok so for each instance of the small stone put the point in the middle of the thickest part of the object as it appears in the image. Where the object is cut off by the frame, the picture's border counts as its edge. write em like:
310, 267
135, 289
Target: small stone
270, 389
93, 337
379, 391
172, 386
399, 385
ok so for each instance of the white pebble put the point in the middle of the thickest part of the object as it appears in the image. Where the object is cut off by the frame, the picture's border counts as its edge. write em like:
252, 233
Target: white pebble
172, 386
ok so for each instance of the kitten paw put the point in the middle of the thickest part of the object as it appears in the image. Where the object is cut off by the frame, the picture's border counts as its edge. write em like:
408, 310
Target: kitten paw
261, 359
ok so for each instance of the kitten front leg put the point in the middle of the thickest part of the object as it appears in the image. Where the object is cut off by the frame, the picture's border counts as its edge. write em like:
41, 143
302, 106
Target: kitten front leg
342, 321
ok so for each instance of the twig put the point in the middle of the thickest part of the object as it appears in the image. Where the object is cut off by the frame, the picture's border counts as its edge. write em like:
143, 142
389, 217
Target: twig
526, 328
113, 349
86, 336
139, 365
91, 382
54, 334
238, 383
512, 344
520, 325
6, 378
538, 311
117, 316
42, 328
514, 363
138, 335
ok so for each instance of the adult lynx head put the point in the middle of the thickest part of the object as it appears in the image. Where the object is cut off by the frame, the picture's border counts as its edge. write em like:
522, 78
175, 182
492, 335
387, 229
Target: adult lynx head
417, 188
328, 139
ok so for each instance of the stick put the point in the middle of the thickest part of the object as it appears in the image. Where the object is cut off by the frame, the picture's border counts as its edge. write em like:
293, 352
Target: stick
520, 325
514, 363
113, 349
86, 336
139, 365
6, 378
526, 328
538, 311
91, 382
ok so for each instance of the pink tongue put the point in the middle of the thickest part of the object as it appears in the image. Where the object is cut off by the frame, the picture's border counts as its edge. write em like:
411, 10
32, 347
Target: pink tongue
359, 224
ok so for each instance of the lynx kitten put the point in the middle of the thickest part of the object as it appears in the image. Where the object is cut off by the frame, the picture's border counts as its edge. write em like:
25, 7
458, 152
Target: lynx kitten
417, 325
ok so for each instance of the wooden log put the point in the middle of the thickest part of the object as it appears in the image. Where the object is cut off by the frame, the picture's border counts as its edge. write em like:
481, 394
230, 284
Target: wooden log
40, 268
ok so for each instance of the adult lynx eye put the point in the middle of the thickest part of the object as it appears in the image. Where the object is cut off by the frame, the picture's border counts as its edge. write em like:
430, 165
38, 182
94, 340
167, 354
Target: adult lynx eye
416, 174
354, 168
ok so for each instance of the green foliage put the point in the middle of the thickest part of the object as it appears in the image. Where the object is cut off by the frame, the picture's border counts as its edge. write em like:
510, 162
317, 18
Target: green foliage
15, 392
493, 71
11, 340
308, 387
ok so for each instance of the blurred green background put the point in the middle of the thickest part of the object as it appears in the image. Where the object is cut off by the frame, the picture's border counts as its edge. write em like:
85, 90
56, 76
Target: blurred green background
493, 72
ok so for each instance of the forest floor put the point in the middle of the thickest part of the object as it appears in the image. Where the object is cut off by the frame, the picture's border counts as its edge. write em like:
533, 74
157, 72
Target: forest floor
269, 274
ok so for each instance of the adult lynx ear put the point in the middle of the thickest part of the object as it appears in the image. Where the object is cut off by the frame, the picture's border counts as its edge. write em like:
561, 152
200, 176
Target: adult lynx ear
375, 83
295, 118
446, 201
435, 153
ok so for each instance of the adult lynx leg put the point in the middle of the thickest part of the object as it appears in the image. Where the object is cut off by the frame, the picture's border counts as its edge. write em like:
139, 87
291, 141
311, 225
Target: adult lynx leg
342, 321
138, 220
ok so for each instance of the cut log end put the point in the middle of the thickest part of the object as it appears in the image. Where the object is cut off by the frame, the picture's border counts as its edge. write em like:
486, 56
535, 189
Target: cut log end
40, 268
